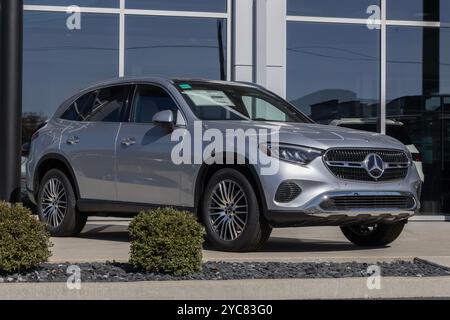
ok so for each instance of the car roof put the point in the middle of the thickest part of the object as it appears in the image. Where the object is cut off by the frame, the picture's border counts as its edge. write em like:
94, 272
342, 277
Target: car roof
162, 80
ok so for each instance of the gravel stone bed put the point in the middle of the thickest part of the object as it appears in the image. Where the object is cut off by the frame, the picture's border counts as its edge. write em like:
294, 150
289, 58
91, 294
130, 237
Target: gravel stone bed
123, 272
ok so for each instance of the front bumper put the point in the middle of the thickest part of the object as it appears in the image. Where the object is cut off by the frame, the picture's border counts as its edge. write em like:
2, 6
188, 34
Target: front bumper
318, 206
316, 213
318, 184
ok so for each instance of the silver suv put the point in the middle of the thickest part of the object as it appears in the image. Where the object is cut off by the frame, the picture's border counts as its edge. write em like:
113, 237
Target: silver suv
110, 150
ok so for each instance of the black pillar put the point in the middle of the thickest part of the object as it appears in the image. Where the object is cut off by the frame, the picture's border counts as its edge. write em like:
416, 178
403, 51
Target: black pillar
431, 49
11, 20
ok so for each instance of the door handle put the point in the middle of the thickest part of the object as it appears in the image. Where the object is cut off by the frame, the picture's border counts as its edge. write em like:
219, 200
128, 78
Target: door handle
73, 140
128, 142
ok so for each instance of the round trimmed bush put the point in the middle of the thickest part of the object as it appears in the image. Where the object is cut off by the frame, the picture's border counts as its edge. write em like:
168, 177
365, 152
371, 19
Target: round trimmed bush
24, 241
166, 241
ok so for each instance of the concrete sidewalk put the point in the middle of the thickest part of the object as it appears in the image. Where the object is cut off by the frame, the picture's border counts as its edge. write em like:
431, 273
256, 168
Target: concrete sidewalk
346, 288
108, 240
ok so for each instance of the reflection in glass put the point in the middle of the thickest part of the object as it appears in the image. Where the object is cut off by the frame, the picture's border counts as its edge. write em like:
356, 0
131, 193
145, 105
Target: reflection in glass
331, 8
179, 5
418, 92
80, 3
418, 10
176, 46
58, 62
333, 71
148, 101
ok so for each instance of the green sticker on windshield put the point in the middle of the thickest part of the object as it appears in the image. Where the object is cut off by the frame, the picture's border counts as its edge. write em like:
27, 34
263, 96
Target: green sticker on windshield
185, 86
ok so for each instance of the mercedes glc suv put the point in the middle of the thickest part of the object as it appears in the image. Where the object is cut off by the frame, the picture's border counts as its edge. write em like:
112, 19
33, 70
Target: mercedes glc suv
126, 145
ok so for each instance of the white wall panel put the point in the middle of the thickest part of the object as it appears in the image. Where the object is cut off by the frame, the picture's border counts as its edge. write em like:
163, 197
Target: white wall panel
243, 61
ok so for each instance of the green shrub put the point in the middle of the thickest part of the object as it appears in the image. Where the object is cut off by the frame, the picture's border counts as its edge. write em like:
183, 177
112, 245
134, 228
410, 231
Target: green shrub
24, 241
166, 241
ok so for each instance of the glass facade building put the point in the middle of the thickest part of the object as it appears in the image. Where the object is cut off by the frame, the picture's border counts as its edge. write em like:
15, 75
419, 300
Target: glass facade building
377, 65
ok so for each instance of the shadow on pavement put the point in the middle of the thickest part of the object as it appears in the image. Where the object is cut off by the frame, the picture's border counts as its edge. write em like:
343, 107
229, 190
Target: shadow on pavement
275, 244
105, 232
278, 244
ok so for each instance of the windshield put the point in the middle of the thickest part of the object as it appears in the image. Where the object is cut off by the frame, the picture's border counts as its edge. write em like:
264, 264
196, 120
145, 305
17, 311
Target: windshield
211, 101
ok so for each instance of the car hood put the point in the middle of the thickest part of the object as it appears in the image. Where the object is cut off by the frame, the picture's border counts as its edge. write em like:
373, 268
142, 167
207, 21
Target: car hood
314, 135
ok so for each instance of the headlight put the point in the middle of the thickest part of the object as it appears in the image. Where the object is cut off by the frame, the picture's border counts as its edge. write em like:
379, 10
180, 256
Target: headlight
410, 157
291, 153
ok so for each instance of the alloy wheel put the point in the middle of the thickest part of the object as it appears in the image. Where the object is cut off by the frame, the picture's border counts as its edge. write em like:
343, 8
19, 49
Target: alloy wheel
54, 202
228, 210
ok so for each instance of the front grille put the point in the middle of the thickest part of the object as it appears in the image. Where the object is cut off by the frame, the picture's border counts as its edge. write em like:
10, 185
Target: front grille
349, 164
343, 203
287, 191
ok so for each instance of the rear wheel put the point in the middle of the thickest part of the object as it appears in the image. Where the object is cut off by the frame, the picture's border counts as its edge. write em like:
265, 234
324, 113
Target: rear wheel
56, 205
231, 213
373, 234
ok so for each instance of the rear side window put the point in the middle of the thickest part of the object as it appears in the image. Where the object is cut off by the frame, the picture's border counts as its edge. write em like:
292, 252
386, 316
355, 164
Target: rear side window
104, 105
80, 108
148, 101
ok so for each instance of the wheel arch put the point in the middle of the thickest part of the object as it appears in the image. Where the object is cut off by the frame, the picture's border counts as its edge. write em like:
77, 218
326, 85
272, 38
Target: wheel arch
206, 171
54, 161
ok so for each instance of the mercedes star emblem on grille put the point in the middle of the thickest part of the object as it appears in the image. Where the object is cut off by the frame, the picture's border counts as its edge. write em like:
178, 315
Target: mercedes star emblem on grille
374, 165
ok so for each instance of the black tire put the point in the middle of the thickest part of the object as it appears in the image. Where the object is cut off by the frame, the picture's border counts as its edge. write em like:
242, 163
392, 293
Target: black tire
256, 230
380, 235
72, 221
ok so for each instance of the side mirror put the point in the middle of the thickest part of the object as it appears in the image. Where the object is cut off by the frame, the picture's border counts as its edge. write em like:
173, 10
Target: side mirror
163, 117
25, 150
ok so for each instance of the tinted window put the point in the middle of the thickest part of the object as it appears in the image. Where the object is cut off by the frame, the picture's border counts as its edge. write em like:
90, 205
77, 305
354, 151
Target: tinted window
80, 3
418, 84
109, 103
105, 105
149, 100
80, 108
418, 10
333, 70
176, 47
179, 5
57, 61
331, 8
398, 132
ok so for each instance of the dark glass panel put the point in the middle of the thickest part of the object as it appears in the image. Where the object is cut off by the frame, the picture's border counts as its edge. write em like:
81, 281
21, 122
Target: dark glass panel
333, 71
175, 46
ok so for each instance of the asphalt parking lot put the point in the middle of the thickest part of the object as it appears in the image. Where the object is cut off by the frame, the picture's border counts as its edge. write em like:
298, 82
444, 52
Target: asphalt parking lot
107, 240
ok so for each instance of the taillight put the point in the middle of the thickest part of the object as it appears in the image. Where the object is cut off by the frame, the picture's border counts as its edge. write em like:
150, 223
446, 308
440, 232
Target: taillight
35, 136
417, 157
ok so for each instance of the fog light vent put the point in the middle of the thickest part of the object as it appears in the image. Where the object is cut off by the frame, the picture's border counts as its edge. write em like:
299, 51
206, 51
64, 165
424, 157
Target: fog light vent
287, 191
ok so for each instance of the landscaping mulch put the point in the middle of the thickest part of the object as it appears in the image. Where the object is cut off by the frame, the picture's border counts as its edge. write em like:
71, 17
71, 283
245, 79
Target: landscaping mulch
124, 272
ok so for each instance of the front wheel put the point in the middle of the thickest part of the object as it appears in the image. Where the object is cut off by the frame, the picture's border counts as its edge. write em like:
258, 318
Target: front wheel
231, 214
374, 234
